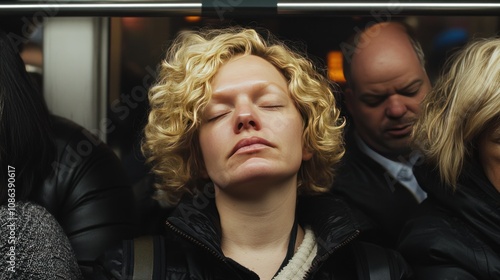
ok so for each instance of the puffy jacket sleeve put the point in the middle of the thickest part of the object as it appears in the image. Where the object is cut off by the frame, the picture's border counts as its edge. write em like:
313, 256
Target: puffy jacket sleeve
376, 262
88, 192
437, 248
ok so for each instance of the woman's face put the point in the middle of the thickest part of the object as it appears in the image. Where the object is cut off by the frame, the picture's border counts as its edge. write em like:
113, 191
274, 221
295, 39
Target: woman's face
251, 133
489, 153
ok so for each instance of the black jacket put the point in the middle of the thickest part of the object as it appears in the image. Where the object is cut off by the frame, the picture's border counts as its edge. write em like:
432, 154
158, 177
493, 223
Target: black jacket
367, 185
455, 235
192, 245
88, 192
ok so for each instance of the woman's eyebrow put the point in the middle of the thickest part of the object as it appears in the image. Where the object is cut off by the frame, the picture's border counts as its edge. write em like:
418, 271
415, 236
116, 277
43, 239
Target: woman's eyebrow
259, 87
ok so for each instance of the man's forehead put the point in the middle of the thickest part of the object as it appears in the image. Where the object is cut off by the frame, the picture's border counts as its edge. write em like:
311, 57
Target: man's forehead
382, 37
401, 84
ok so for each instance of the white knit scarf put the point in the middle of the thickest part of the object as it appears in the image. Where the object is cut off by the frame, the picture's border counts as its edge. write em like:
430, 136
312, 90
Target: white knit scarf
301, 260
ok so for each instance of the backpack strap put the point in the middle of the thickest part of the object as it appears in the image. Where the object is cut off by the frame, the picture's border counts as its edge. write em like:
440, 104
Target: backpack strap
148, 256
143, 258
373, 262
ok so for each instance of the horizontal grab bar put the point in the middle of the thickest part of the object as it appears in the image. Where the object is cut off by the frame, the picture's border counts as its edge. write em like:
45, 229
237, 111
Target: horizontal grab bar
197, 8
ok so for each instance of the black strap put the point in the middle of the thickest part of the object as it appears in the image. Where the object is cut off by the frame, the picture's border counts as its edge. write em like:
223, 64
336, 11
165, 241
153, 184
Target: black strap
291, 246
372, 262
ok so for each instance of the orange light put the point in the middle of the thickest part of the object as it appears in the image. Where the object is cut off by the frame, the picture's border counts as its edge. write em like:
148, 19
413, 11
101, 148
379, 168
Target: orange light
335, 71
133, 23
192, 18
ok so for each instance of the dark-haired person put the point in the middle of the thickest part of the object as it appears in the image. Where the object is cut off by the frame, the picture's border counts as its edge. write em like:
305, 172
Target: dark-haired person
32, 244
83, 185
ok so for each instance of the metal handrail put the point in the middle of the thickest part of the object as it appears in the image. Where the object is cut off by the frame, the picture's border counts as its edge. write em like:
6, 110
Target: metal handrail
180, 8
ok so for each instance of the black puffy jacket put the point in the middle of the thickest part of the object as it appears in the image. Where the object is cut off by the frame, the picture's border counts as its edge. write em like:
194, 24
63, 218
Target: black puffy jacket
456, 235
88, 192
192, 246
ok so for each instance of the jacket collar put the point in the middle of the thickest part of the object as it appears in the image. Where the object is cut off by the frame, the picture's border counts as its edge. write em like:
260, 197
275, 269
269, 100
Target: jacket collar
475, 201
333, 222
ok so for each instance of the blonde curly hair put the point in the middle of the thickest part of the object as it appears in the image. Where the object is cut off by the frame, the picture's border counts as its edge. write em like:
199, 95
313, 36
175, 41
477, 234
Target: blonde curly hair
182, 91
462, 105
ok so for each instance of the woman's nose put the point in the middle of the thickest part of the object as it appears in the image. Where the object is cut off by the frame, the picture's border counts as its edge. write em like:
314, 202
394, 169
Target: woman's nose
246, 119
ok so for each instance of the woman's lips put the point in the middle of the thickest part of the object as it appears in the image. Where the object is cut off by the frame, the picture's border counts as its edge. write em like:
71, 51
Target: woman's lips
250, 148
250, 144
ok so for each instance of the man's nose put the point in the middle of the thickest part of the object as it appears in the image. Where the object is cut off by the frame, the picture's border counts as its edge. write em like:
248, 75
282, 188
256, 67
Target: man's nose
396, 107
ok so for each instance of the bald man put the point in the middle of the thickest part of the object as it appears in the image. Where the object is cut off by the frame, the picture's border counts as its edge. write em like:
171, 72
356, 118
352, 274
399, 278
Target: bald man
386, 83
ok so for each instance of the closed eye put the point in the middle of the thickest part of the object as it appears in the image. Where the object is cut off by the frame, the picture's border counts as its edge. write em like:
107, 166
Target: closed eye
272, 107
373, 101
409, 93
217, 116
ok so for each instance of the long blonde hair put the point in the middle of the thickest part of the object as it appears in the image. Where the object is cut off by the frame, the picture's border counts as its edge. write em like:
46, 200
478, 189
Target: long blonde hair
464, 101
183, 90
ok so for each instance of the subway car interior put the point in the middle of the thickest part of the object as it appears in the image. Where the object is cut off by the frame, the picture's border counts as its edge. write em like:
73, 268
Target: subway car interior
94, 62
96, 70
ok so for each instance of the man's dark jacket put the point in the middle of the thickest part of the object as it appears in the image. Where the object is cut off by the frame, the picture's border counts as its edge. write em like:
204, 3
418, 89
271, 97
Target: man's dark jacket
367, 185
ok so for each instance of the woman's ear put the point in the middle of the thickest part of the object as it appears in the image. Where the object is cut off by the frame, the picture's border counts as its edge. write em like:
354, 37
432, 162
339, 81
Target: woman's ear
306, 154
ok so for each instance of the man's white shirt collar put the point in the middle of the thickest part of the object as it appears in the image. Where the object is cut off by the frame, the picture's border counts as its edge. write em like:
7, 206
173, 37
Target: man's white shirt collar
401, 171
